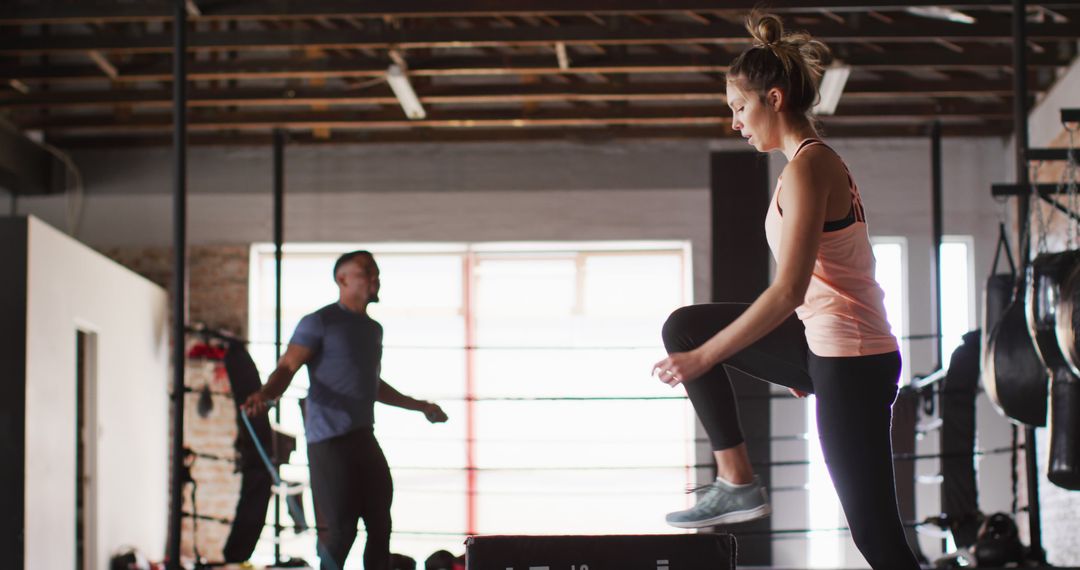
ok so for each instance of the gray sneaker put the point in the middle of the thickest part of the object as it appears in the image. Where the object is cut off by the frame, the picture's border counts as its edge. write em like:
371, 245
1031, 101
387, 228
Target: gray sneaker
723, 503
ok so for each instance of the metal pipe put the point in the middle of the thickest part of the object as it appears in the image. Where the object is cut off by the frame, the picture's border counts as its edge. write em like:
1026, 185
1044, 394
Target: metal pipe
938, 224
1035, 551
179, 292
279, 233
1020, 124
1020, 135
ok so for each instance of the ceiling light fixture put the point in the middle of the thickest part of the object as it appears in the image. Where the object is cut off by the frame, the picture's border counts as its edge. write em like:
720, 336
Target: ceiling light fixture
403, 90
831, 88
941, 13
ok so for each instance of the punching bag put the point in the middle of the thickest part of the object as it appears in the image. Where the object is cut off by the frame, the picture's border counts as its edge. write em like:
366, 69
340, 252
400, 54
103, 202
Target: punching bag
1013, 374
1064, 464
255, 483
1064, 470
959, 492
999, 290
996, 298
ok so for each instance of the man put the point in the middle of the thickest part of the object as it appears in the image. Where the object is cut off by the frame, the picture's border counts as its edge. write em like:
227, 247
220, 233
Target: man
350, 480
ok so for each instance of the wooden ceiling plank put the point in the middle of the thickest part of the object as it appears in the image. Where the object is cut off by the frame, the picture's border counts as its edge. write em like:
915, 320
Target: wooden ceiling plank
624, 34
160, 10
591, 134
346, 120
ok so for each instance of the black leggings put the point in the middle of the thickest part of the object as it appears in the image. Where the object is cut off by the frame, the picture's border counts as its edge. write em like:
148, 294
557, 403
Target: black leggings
854, 414
350, 480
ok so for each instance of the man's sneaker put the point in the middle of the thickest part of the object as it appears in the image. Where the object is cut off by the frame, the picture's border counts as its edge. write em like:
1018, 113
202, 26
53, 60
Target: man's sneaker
724, 503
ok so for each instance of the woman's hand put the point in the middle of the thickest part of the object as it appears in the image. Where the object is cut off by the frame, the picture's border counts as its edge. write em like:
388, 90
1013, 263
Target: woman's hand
681, 367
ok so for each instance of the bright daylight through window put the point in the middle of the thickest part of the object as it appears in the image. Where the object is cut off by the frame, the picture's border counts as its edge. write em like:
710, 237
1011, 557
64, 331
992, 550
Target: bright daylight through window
540, 353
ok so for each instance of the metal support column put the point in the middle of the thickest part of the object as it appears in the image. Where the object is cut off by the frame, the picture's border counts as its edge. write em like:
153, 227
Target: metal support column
1020, 133
179, 292
279, 233
936, 213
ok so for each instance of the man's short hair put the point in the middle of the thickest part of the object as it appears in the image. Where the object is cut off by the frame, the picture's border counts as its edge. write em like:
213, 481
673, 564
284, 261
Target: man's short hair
345, 258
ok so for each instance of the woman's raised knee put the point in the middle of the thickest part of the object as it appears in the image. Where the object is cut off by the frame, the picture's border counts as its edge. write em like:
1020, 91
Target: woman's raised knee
677, 331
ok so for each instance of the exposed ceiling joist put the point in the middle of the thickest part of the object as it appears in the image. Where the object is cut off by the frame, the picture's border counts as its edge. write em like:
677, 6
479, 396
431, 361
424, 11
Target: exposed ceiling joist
509, 70
83, 11
592, 135
479, 94
503, 66
457, 119
546, 36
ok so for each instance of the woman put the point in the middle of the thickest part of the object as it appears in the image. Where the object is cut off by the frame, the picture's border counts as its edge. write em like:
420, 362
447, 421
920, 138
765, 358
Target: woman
839, 347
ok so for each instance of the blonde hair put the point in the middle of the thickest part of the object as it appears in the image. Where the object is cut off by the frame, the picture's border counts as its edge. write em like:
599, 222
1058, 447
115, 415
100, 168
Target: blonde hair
792, 62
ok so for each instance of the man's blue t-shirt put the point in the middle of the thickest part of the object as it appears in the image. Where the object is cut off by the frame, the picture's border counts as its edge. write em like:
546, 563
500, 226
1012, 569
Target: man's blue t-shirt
344, 370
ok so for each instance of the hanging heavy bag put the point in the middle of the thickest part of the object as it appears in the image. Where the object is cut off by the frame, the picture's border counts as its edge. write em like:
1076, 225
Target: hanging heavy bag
1064, 464
999, 291
959, 488
1013, 374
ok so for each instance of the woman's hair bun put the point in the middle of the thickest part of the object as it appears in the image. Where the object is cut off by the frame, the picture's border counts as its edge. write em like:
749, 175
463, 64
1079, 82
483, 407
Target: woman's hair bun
766, 29
792, 61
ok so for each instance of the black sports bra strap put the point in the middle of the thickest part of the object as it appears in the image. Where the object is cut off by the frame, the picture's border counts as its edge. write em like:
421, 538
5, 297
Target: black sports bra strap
807, 143
830, 225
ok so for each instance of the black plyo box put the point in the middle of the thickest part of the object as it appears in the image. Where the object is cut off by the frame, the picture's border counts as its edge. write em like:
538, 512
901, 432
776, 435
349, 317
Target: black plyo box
616, 552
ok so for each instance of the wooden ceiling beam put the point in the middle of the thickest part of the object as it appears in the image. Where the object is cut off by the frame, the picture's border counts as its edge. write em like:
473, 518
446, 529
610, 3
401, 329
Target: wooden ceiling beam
450, 38
506, 65
471, 94
457, 119
82, 11
591, 135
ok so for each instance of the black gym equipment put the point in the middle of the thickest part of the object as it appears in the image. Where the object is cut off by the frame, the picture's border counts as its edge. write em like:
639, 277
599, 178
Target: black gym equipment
645, 552
1064, 464
959, 493
1064, 468
256, 483
1013, 375
1050, 273
998, 543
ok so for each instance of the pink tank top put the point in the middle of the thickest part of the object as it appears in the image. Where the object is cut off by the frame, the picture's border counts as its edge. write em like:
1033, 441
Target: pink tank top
844, 309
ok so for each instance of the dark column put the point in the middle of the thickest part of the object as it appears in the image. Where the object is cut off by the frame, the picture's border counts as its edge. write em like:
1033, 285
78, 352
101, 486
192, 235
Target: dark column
279, 238
13, 248
1020, 134
179, 289
938, 230
740, 272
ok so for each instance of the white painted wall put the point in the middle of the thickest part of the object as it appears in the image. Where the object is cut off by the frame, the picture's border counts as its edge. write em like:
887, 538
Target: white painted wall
70, 288
1060, 525
544, 191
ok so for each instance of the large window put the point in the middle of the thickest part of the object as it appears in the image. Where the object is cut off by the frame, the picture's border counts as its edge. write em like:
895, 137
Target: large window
957, 293
540, 353
892, 274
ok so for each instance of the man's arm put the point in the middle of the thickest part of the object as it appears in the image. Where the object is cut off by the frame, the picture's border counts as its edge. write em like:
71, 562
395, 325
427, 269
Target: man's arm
391, 397
295, 356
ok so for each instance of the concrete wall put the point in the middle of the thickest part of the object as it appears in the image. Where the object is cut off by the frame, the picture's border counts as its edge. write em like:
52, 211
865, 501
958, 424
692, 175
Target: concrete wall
543, 191
72, 288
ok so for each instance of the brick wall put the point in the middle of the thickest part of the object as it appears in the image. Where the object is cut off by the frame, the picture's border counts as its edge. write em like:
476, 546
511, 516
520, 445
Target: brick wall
217, 485
217, 280
218, 298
